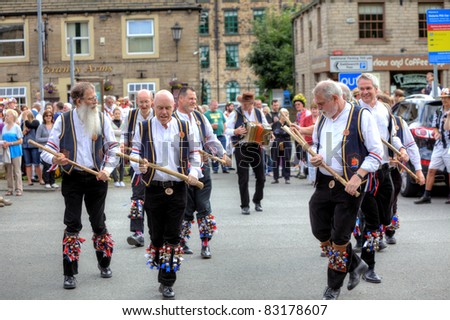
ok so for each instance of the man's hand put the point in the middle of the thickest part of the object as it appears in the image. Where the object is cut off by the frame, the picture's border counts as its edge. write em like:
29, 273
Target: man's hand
353, 185
316, 161
240, 131
103, 175
143, 167
60, 159
404, 157
421, 177
192, 180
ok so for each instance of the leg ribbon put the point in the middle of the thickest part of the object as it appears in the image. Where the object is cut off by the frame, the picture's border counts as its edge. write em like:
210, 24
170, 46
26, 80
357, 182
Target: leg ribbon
136, 210
168, 257
72, 246
339, 258
372, 241
103, 243
206, 226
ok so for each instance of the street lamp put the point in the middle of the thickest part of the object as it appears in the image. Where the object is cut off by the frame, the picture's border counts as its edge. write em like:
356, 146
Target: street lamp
248, 83
176, 35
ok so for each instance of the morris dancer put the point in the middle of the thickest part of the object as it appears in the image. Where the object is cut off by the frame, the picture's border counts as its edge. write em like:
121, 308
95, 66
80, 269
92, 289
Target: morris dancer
165, 141
134, 117
247, 154
198, 199
353, 133
73, 137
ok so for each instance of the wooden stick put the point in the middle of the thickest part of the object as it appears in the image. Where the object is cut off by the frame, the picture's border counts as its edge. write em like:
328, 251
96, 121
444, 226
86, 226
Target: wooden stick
299, 138
398, 153
404, 167
214, 158
181, 176
73, 163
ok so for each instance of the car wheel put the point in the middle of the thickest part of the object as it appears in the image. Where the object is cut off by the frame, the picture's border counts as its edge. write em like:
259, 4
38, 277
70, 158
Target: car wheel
409, 188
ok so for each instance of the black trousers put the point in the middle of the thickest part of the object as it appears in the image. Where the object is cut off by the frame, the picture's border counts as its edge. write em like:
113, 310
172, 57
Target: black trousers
377, 209
281, 158
332, 213
164, 218
76, 187
397, 182
137, 193
250, 155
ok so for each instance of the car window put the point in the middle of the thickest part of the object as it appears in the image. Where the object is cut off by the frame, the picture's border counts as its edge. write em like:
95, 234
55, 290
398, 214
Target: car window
407, 110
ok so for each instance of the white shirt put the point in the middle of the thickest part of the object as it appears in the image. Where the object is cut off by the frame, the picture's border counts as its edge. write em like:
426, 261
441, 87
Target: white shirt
331, 136
139, 119
210, 139
411, 146
167, 152
250, 116
382, 118
84, 144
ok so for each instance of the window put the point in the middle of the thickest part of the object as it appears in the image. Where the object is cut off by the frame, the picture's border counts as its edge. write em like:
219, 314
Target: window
231, 22
310, 30
302, 43
258, 14
205, 97
12, 40
232, 56
423, 7
371, 21
319, 28
19, 93
204, 23
204, 57
140, 36
79, 31
232, 90
134, 87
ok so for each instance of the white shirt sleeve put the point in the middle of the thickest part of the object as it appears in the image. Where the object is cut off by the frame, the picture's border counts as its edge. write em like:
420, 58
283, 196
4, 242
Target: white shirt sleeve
372, 142
411, 147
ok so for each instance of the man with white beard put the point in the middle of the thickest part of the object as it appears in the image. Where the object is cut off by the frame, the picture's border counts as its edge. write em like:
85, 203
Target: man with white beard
82, 135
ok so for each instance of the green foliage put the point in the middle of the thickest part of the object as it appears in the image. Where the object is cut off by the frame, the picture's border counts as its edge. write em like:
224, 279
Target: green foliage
271, 56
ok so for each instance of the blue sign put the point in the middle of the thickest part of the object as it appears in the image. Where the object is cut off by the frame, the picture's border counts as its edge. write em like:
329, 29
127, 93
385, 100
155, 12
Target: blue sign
349, 79
287, 99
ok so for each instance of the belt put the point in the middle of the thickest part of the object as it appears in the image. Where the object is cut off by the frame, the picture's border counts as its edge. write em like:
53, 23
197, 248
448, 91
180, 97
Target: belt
165, 184
220, 136
82, 173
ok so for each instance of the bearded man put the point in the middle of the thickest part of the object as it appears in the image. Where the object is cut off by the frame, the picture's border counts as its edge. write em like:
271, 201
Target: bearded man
83, 136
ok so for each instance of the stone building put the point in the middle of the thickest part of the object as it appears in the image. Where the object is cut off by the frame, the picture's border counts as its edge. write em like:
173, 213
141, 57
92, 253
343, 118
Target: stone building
120, 45
391, 35
225, 38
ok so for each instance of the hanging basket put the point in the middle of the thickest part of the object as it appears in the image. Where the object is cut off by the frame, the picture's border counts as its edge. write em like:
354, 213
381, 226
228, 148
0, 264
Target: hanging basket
107, 86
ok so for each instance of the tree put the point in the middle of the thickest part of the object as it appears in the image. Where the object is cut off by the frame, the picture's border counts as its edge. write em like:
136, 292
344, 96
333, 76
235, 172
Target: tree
271, 56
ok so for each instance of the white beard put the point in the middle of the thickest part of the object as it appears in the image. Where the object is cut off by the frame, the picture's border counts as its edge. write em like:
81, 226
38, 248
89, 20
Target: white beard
89, 117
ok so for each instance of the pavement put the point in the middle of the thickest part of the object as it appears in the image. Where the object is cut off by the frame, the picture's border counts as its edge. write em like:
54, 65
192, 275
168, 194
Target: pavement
269, 255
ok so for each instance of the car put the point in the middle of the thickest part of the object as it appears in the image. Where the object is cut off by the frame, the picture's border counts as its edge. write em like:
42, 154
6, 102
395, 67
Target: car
418, 111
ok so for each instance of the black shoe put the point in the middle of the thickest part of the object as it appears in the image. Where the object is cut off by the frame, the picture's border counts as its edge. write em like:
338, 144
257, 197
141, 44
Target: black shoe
424, 199
391, 240
225, 171
331, 294
167, 292
187, 250
245, 210
274, 182
258, 207
105, 272
230, 168
206, 252
287, 182
136, 239
215, 172
382, 245
70, 282
371, 276
355, 275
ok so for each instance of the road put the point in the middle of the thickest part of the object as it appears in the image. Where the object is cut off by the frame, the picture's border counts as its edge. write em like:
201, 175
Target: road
270, 255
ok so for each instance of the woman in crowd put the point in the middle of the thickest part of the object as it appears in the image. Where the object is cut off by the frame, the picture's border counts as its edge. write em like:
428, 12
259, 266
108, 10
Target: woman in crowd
12, 143
42, 135
31, 152
309, 121
281, 149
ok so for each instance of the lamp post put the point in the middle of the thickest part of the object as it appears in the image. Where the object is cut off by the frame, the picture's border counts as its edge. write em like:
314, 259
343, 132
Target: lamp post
176, 36
248, 83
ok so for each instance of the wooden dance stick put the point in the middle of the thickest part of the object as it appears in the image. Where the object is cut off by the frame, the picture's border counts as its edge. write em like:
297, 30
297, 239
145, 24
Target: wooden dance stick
214, 158
398, 153
299, 138
73, 163
181, 176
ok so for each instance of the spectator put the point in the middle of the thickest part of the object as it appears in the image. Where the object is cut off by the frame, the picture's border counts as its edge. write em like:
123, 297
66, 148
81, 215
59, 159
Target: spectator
42, 134
31, 152
12, 136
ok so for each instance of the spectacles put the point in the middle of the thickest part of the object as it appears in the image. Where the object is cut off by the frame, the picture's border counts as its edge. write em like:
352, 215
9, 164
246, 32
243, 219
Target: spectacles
91, 99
